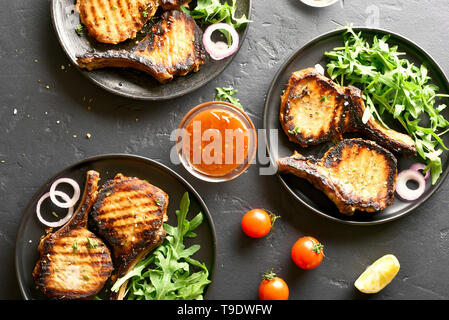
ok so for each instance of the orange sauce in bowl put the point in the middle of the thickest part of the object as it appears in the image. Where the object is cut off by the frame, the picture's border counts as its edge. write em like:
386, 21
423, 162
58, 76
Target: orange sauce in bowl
216, 141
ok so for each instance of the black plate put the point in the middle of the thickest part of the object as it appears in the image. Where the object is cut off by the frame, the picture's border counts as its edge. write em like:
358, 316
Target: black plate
30, 229
309, 55
128, 82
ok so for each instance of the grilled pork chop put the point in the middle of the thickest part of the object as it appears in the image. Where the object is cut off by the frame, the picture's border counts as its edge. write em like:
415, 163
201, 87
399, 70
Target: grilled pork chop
114, 21
173, 4
173, 47
390, 139
355, 174
129, 213
314, 109
74, 263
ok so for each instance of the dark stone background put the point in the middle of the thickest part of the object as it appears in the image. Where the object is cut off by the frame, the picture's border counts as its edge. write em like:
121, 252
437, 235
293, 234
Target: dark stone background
34, 147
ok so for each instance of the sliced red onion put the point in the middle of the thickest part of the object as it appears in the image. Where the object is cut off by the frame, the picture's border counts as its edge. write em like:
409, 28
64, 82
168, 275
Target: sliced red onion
71, 201
319, 68
420, 168
57, 223
404, 191
220, 50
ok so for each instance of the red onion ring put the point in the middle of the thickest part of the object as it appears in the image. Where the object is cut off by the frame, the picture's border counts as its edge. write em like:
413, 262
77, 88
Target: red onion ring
401, 185
220, 50
72, 201
57, 223
419, 167
319, 68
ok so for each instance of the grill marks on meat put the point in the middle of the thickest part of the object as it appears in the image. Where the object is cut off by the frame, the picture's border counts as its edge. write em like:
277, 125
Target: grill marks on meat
355, 174
314, 109
114, 21
173, 47
74, 263
129, 213
173, 4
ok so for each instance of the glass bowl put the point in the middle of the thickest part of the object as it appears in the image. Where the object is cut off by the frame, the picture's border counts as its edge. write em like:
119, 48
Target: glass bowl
241, 166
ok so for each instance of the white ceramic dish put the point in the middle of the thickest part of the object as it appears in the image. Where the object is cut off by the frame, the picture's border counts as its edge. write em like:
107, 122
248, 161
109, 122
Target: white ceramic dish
319, 3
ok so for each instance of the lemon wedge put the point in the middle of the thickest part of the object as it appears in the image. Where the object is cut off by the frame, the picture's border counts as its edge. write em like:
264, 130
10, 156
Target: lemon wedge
378, 275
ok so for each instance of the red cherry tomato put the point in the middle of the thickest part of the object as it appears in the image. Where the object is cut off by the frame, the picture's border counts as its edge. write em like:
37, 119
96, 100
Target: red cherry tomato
307, 253
273, 288
257, 223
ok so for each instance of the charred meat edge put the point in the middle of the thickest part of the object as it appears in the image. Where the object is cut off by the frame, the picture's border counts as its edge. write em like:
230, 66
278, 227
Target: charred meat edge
77, 221
403, 144
350, 119
129, 260
137, 23
336, 128
305, 167
129, 59
173, 4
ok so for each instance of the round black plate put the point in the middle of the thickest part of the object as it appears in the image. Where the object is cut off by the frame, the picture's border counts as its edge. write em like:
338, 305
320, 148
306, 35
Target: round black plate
30, 229
128, 82
309, 55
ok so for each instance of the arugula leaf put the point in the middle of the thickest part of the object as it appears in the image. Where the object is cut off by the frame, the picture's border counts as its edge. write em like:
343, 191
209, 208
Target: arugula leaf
137, 271
393, 84
166, 273
226, 94
295, 131
213, 11
79, 29
196, 221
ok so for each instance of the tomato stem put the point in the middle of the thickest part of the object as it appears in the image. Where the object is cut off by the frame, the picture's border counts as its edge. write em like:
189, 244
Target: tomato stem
270, 275
273, 218
317, 248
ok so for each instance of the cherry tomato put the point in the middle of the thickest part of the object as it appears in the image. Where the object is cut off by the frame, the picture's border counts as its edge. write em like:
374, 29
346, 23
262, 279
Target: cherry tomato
257, 223
273, 287
307, 253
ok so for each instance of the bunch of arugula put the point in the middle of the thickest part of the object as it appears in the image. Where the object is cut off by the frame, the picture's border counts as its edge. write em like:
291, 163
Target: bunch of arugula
213, 11
166, 273
395, 85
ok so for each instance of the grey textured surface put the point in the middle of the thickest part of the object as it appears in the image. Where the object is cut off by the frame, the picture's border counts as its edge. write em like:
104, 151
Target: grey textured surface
38, 141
